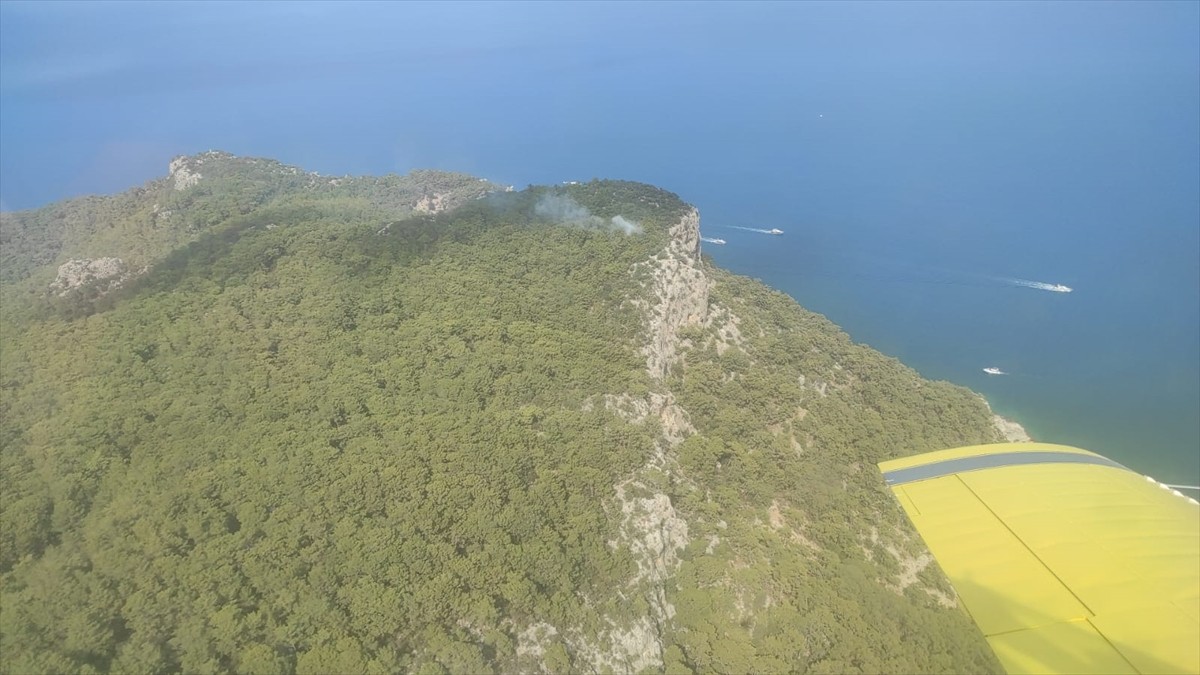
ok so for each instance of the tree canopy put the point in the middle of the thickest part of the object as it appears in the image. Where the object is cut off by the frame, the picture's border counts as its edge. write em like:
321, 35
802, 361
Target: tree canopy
326, 432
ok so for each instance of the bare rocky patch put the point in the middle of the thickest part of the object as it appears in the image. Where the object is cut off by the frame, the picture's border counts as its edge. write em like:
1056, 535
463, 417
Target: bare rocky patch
104, 274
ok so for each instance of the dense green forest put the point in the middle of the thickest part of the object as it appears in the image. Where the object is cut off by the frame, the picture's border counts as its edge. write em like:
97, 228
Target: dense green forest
406, 424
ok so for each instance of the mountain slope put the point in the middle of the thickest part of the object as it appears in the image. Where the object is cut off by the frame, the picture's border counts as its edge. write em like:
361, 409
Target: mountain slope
322, 429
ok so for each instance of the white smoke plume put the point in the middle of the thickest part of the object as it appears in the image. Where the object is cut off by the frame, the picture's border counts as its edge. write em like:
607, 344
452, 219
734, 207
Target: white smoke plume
563, 209
626, 226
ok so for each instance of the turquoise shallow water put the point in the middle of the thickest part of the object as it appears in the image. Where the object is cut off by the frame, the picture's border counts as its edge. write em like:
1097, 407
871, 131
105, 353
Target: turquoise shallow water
917, 156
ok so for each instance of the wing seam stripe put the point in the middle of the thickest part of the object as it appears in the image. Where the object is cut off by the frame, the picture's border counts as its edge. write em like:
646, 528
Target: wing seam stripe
963, 464
1030, 550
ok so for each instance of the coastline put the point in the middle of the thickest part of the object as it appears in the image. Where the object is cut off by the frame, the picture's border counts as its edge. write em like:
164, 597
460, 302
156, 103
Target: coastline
1009, 429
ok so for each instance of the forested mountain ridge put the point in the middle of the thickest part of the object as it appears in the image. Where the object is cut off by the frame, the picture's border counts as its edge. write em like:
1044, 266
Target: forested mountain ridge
323, 430
198, 193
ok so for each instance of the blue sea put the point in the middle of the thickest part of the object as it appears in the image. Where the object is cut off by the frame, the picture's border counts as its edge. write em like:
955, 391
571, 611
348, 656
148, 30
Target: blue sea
920, 158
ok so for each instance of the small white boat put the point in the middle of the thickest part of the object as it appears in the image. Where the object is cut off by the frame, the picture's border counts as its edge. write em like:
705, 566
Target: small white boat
712, 240
992, 370
774, 230
1059, 288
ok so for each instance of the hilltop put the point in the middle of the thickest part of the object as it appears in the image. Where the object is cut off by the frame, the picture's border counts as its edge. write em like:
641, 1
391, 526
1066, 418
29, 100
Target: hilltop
260, 420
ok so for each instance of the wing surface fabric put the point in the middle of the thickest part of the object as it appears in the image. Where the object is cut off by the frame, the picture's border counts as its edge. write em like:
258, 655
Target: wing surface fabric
1067, 561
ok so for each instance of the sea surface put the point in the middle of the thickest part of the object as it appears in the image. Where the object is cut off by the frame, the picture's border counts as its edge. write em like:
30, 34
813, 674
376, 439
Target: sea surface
920, 158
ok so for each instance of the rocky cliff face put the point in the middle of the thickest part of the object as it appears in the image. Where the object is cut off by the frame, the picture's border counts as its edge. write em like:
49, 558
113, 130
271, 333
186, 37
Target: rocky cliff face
435, 203
655, 534
676, 298
182, 172
680, 290
103, 273
1009, 430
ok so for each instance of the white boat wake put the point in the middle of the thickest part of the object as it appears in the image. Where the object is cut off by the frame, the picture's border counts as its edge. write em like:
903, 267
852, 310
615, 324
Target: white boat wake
1039, 285
712, 240
756, 229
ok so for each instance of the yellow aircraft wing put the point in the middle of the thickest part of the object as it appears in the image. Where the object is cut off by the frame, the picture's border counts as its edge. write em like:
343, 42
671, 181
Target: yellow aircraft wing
1067, 561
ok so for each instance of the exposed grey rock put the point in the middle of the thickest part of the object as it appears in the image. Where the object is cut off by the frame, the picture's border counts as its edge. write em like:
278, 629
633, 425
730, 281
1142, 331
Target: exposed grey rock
674, 420
1010, 430
435, 203
680, 288
182, 173
76, 273
531, 642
